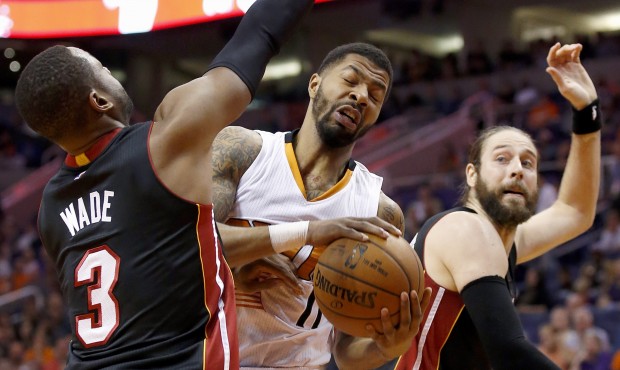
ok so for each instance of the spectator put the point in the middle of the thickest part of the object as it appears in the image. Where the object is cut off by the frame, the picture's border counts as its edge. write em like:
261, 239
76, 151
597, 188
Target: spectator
551, 345
59, 354
608, 243
583, 322
543, 114
594, 354
607, 45
534, 297
511, 59
609, 294
425, 205
478, 61
547, 193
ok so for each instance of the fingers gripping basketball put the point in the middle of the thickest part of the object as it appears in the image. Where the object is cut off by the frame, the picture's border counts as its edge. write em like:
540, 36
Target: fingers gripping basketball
353, 280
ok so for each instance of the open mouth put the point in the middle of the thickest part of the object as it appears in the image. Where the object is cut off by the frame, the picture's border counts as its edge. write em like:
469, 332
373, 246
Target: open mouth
514, 193
348, 116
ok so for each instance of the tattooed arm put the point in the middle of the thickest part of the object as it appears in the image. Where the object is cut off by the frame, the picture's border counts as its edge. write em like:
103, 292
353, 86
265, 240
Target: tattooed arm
234, 151
390, 211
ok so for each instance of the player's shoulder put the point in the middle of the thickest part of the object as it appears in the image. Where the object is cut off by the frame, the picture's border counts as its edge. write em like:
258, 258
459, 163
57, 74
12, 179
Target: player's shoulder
235, 135
462, 226
234, 149
237, 139
385, 200
391, 212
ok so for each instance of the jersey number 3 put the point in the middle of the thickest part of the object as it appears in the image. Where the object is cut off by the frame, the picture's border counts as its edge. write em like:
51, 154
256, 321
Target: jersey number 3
98, 269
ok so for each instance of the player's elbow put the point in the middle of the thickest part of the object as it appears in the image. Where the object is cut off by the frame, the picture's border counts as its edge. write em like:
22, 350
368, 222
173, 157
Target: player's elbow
584, 220
581, 218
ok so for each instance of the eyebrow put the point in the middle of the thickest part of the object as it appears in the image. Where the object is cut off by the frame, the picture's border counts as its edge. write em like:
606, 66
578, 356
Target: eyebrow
529, 151
375, 81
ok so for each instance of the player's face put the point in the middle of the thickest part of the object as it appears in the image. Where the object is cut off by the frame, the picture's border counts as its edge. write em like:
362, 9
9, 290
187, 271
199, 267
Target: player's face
110, 87
507, 184
348, 100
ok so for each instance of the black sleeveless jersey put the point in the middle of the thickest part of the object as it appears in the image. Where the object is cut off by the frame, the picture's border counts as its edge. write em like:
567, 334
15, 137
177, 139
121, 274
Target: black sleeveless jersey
447, 339
141, 269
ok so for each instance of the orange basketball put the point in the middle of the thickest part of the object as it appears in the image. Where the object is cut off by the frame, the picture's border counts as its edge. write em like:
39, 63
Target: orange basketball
353, 280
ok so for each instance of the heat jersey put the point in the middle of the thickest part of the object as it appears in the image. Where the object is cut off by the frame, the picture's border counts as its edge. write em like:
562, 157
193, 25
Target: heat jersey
276, 328
447, 339
141, 269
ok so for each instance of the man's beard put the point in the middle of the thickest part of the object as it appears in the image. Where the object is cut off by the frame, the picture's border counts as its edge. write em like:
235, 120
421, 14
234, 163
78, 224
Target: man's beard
333, 135
503, 215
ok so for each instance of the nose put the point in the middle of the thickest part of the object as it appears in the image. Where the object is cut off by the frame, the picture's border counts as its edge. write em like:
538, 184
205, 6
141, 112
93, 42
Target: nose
359, 95
516, 169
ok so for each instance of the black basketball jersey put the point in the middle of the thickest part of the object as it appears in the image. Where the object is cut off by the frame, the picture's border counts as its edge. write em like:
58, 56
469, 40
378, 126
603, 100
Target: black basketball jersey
448, 339
141, 269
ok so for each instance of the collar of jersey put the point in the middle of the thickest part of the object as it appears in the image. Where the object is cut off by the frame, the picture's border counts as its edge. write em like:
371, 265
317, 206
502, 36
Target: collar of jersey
93, 152
292, 162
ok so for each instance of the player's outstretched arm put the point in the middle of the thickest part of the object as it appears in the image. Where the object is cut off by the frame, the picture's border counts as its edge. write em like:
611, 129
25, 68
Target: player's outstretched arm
573, 212
222, 94
191, 115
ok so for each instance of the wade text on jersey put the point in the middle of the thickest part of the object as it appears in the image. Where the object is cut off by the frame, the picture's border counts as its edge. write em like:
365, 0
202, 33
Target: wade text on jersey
96, 211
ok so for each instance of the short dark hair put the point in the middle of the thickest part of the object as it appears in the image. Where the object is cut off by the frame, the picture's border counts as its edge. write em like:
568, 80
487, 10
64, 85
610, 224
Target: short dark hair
52, 92
475, 152
368, 51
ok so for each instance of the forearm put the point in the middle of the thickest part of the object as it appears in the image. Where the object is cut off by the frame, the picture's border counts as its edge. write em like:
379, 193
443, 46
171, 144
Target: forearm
580, 182
490, 307
357, 353
259, 36
581, 179
574, 210
244, 244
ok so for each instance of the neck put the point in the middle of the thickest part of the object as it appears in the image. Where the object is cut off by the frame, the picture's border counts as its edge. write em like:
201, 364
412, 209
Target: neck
507, 234
313, 156
82, 141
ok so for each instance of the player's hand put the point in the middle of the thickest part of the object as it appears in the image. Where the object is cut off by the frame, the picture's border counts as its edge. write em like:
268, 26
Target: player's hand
324, 232
266, 273
394, 341
568, 73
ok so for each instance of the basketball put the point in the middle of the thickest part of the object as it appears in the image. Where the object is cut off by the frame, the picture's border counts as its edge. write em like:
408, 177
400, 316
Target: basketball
353, 280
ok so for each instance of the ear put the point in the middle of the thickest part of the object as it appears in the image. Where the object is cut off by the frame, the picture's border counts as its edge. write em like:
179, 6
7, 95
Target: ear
99, 102
313, 86
471, 175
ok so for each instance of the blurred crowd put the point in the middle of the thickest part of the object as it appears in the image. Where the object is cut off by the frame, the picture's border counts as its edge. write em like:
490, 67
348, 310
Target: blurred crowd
569, 300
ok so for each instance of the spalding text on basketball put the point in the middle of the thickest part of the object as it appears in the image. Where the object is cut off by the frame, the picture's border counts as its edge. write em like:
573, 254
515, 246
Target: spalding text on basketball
365, 299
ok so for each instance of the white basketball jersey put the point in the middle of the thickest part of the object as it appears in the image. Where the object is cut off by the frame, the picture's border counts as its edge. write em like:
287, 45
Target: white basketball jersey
276, 328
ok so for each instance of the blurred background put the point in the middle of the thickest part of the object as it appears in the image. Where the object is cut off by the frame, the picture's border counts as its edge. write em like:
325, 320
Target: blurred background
459, 66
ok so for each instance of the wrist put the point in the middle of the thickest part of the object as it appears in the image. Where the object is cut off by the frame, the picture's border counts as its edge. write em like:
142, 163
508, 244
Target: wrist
588, 119
387, 354
287, 236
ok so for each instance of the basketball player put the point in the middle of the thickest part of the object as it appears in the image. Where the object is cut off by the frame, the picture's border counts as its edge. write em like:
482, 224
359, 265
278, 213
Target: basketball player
294, 181
469, 253
128, 218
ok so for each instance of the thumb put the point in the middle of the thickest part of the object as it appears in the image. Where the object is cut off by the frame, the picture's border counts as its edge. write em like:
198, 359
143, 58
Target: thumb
555, 75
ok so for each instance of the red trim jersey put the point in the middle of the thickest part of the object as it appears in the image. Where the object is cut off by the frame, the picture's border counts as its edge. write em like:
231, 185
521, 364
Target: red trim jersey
141, 269
447, 339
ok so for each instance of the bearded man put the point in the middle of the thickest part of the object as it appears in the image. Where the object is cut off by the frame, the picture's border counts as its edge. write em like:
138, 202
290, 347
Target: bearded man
469, 252
296, 192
